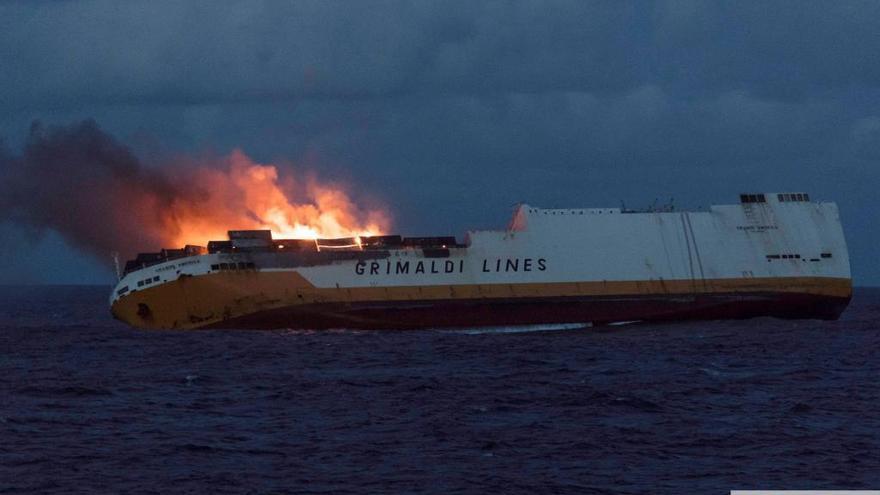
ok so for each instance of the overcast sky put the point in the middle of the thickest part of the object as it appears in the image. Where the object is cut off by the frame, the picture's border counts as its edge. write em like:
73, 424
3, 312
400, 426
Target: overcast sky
453, 111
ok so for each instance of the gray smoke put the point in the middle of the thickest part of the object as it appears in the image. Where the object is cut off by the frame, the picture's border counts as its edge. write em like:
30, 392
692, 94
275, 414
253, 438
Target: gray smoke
81, 182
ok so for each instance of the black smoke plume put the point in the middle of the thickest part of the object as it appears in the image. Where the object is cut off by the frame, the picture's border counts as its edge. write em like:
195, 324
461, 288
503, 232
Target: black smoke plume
81, 182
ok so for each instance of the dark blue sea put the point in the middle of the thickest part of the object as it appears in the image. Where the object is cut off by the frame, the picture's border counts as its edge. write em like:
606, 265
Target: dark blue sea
90, 405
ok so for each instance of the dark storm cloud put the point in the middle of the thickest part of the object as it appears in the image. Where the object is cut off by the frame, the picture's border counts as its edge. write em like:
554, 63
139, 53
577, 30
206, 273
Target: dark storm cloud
567, 102
183, 52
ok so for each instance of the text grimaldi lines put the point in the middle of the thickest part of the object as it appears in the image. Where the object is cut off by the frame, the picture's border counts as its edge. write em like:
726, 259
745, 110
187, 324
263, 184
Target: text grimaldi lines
493, 265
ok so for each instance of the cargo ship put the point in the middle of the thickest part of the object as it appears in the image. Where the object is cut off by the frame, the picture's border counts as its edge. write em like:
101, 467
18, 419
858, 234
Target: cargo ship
771, 254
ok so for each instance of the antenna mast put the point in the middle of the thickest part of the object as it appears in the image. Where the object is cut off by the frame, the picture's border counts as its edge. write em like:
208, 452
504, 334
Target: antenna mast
115, 255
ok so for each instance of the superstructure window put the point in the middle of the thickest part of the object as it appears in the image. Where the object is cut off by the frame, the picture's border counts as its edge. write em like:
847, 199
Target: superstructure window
786, 197
826, 255
215, 267
752, 198
224, 266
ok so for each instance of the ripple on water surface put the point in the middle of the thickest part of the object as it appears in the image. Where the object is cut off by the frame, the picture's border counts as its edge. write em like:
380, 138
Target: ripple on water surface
90, 405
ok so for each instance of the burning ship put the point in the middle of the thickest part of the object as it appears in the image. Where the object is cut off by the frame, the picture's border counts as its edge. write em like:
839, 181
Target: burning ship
772, 254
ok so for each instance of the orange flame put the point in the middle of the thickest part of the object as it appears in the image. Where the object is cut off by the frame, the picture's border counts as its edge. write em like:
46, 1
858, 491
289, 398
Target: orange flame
248, 195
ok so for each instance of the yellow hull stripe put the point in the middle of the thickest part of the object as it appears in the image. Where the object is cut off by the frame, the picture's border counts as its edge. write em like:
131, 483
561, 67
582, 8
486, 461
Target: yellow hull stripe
192, 302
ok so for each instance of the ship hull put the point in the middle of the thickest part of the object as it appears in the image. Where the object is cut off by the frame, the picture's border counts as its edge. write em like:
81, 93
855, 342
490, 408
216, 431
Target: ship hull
772, 255
594, 311
285, 300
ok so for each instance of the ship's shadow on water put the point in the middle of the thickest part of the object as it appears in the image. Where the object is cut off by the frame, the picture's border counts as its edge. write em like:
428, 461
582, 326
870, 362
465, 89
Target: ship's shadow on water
89, 405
